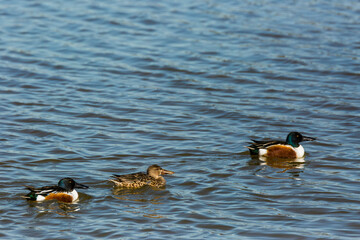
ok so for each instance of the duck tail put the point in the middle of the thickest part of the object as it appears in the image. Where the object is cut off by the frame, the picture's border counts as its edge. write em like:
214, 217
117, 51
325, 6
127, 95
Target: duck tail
253, 149
116, 183
250, 147
31, 195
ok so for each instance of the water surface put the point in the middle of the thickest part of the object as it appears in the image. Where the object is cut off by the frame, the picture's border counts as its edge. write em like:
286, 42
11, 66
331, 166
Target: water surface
90, 89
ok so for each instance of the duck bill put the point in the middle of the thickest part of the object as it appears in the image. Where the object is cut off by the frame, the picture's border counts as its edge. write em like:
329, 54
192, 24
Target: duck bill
166, 172
308, 138
78, 185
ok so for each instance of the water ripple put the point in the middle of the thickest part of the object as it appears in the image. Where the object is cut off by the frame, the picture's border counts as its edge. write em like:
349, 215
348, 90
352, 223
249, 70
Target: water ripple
93, 89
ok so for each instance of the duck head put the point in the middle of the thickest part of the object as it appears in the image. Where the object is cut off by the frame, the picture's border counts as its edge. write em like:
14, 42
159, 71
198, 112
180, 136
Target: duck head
156, 171
294, 138
69, 184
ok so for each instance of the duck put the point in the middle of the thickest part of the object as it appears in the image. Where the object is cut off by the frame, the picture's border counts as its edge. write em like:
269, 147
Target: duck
290, 149
63, 192
136, 180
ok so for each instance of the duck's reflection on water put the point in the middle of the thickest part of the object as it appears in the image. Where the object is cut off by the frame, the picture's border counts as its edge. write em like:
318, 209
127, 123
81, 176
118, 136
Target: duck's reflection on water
141, 200
53, 206
293, 166
285, 164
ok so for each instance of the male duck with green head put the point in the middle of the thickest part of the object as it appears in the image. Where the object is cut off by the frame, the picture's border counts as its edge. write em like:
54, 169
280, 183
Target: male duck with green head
279, 149
64, 191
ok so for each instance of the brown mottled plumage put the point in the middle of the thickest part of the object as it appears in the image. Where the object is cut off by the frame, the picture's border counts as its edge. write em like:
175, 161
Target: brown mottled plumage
136, 180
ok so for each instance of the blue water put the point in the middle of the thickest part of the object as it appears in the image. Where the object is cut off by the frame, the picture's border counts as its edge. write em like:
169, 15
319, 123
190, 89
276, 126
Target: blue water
90, 89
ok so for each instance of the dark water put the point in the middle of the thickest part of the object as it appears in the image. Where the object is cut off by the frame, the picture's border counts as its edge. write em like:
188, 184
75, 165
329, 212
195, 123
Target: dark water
93, 88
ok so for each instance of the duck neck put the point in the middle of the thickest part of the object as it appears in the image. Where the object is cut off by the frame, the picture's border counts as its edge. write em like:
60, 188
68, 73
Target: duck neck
161, 179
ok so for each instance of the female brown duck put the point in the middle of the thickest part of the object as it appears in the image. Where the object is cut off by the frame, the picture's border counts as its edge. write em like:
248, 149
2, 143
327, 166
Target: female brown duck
136, 180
